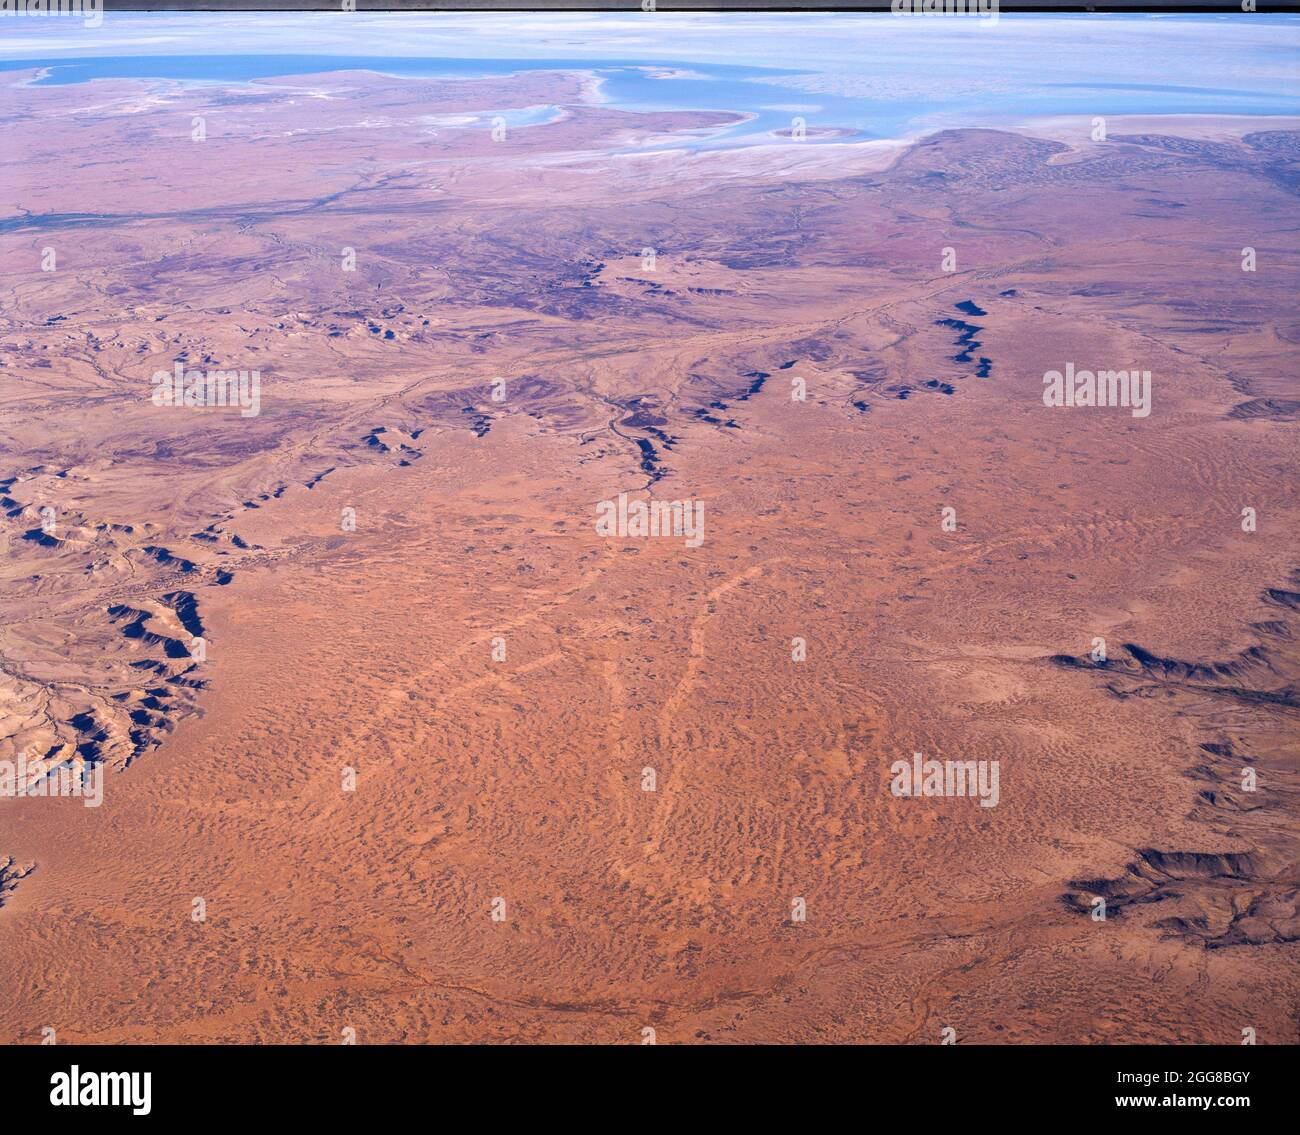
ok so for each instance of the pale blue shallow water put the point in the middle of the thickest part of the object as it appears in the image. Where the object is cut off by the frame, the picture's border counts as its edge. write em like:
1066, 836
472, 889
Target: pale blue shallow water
864, 77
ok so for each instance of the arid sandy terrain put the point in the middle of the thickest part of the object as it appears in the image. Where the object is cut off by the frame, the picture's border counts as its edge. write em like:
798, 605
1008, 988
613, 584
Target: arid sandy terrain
395, 740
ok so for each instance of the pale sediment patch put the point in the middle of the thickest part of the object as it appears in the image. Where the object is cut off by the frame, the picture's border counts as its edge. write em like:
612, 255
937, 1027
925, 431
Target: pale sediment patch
1077, 130
791, 161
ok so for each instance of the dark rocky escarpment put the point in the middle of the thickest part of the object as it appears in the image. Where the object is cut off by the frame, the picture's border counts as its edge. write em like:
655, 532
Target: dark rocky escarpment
1241, 886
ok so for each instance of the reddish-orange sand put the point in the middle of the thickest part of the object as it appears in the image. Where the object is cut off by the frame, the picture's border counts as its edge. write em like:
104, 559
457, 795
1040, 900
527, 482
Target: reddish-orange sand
599, 787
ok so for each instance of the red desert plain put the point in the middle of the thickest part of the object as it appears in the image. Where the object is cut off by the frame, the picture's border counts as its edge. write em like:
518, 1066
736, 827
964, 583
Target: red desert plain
477, 582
